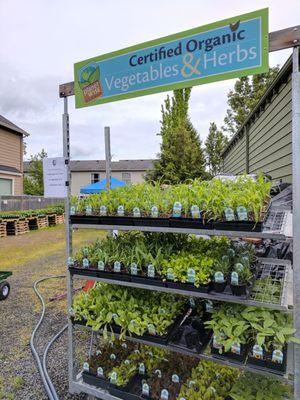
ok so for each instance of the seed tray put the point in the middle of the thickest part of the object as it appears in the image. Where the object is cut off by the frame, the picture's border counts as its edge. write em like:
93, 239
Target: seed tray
127, 392
244, 226
190, 223
147, 281
85, 219
148, 221
116, 220
95, 380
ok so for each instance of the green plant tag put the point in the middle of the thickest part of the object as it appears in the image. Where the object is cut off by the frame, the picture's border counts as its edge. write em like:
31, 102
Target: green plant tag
216, 343
170, 274
101, 265
164, 395
239, 267
191, 275
121, 211
100, 371
85, 263
209, 306
145, 389
175, 378
234, 278
257, 352
113, 378
117, 266
86, 367
195, 212
142, 369
72, 210
133, 269
136, 212
112, 356
154, 212
219, 277
158, 373
70, 262
229, 214
151, 271
177, 207
103, 211
242, 213
277, 357
151, 329
236, 348
88, 210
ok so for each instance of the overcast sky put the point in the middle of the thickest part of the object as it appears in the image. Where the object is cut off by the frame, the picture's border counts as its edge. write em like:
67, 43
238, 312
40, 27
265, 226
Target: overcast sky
41, 40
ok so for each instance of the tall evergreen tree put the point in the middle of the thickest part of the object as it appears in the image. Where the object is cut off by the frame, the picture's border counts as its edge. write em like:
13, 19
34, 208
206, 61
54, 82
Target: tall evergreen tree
214, 145
181, 155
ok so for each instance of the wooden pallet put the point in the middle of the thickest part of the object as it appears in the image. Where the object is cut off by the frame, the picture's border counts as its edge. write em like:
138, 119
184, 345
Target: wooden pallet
59, 219
22, 226
51, 219
42, 221
3, 232
32, 223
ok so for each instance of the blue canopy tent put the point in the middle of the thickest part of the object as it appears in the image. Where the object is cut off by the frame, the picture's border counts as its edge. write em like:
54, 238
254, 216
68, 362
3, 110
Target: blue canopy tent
99, 186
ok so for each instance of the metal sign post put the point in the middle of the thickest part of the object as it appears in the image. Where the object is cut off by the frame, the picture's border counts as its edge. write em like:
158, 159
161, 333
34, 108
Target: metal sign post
107, 157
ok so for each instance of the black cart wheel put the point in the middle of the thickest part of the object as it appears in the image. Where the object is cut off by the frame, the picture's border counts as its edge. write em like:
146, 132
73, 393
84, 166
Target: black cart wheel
4, 290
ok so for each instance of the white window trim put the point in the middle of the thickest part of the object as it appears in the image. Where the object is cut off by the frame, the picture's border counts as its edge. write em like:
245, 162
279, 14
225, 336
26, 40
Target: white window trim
10, 173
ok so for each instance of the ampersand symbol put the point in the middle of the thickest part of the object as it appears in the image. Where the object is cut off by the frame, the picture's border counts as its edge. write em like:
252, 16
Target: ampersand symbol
192, 69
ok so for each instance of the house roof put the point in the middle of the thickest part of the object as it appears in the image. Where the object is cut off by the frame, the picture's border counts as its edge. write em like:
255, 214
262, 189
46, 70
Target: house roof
279, 79
5, 123
99, 165
9, 169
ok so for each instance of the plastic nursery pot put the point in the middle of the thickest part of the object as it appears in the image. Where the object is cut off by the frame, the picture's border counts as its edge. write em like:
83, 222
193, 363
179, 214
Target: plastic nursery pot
125, 392
219, 287
258, 362
240, 357
277, 366
95, 380
239, 290
188, 286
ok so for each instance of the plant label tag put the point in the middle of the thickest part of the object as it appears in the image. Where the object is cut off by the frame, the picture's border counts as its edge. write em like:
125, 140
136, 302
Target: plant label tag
88, 210
277, 357
245, 261
225, 259
117, 266
127, 362
164, 395
191, 275
124, 345
209, 306
71, 312
191, 384
151, 329
98, 352
239, 267
231, 253
175, 378
195, 212
86, 367
154, 212
85, 263
121, 211
170, 274
229, 214
133, 269
258, 352
72, 210
70, 262
242, 213
136, 351
192, 302
145, 389
150, 354
219, 277
100, 371
216, 343
158, 373
103, 211
234, 278
236, 348
151, 271
112, 356
113, 377
142, 369
177, 209
85, 252
136, 212
101, 265
162, 311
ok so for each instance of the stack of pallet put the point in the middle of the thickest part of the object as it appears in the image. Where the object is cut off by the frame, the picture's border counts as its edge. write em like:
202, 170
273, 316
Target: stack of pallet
59, 219
51, 219
22, 226
42, 221
32, 223
2, 228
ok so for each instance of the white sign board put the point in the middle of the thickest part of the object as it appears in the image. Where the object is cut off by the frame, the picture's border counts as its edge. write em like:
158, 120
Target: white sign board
55, 176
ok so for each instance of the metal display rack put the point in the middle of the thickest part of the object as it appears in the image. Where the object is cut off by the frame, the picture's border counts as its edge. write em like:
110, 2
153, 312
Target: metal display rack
278, 228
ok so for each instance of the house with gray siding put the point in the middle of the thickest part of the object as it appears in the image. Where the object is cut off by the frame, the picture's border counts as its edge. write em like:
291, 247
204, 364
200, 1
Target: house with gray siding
264, 142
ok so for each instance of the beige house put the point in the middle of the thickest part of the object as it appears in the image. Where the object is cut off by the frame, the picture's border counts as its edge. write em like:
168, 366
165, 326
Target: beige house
11, 158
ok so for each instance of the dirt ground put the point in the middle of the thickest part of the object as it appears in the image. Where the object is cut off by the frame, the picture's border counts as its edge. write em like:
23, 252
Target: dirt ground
30, 257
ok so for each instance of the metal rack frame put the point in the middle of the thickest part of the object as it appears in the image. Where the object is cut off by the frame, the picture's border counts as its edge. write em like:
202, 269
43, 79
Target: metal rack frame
75, 382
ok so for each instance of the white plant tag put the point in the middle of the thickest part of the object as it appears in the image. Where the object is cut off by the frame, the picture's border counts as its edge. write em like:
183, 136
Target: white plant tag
209, 306
229, 214
100, 371
219, 277
72, 210
236, 348
191, 384
117, 266
175, 378
164, 395
257, 352
85, 252
242, 213
151, 271
170, 274
225, 259
86, 367
88, 210
142, 369
151, 329
231, 253
127, 362
70, 262
136, 212
154, 212
277, 357
124, 345
234, 278
101, 265
133, 269
177, 209
195, 212
113, 377
239, 267
145, 389
158, 373
245, 261
216, 343
85, 263
191, 275
103, 211
98, 352
121, 211
192, 302
112, 356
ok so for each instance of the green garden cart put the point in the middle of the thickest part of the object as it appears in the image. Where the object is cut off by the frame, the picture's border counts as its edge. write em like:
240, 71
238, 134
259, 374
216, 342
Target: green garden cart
4, 285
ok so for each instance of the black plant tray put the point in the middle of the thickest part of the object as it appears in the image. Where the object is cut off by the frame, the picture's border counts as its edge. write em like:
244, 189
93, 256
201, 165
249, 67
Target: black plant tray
275, 366
240, 358
115, 220
85, 219
147, 281
116, 276
83, 271
95, 380
149, 221
187, 286
256, 362
228, 292
125, 392
245, 226
190, 223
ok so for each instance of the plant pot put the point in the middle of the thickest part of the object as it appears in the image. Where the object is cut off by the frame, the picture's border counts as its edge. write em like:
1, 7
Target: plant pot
83, 271
219, 287
280, 367
95, 380
258, 362
239, 290
188, 286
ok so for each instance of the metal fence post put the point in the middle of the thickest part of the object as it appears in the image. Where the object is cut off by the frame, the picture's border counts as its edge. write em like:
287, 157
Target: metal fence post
296, 211
107, 157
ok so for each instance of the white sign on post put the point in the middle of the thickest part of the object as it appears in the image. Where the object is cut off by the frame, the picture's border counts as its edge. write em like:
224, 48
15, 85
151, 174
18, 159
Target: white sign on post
55, 177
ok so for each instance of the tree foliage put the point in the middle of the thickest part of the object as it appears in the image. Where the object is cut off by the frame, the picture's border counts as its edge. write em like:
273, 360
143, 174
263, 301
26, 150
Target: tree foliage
181, 155
33, 183
214, 145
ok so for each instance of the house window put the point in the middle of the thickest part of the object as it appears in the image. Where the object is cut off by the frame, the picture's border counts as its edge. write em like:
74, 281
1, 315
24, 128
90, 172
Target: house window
6, 186
95, 178
126, 177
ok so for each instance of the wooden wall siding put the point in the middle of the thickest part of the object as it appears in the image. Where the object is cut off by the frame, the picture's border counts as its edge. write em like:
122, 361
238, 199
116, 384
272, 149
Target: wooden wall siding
235, 162
11, 150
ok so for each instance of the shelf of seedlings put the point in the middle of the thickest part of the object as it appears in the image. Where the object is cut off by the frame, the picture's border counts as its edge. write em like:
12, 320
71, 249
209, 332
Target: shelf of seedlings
268, 286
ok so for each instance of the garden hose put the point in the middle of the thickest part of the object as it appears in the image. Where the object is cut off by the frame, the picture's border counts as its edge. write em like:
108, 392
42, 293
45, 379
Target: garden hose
50, 390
